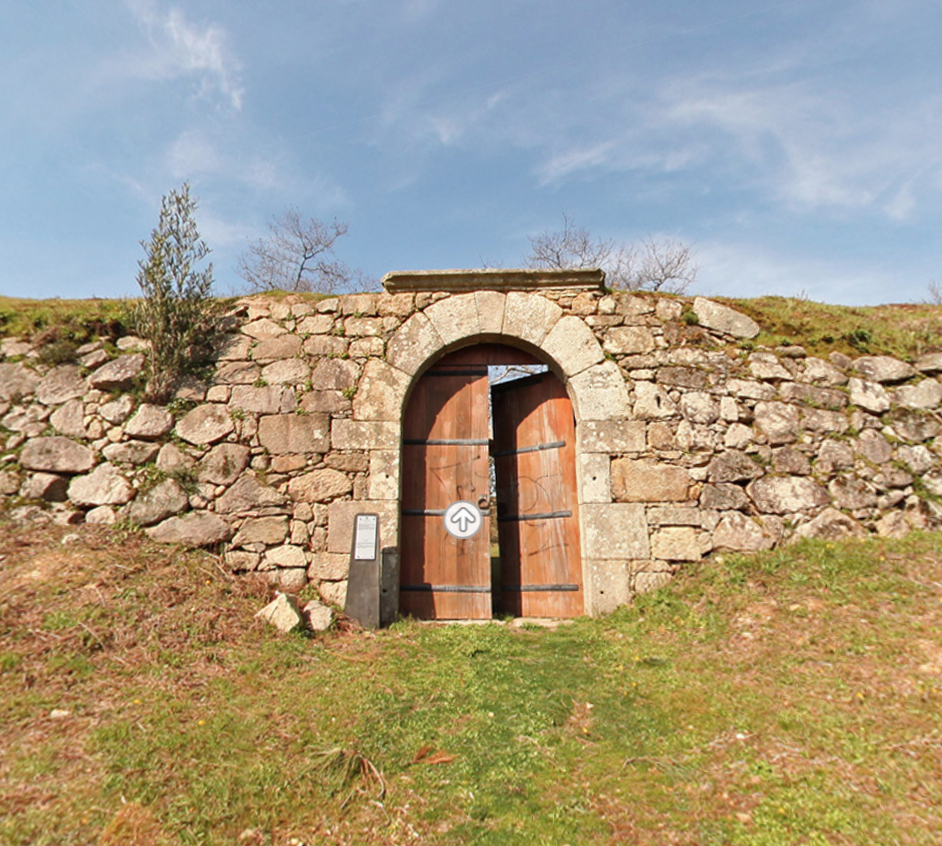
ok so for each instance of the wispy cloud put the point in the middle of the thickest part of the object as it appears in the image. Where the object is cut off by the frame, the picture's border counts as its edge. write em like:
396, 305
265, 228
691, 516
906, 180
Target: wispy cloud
182, 48
815, 146
748, 270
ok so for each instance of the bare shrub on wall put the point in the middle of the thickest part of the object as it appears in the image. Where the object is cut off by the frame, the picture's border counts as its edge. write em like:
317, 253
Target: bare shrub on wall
648, 264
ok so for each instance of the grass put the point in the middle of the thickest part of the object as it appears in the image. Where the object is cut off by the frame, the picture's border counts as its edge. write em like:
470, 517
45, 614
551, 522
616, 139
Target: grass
790, 698
51, 321
903, 330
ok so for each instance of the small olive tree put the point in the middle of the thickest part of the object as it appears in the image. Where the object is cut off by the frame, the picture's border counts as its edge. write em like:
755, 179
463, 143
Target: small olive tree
176, 314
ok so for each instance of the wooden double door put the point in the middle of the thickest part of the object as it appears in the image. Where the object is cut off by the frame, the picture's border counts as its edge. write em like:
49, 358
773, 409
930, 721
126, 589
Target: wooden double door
458, 432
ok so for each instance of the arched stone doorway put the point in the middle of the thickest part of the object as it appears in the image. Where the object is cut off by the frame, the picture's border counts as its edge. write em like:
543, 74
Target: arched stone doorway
509, 449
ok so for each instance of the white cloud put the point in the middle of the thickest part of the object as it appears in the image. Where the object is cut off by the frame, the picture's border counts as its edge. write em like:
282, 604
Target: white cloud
562, 164
182, 48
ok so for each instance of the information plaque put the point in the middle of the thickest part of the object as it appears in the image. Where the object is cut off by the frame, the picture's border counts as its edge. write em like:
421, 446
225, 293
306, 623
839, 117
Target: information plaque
363, 587
365, 536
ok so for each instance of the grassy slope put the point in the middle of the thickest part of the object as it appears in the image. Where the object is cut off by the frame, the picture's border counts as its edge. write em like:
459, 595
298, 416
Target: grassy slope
902, 330
790, 698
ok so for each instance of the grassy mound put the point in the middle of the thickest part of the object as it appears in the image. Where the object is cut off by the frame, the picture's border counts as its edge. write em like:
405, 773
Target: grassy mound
782, 699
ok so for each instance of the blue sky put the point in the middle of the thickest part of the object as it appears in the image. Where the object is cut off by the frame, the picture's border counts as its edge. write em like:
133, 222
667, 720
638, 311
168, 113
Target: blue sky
796, 146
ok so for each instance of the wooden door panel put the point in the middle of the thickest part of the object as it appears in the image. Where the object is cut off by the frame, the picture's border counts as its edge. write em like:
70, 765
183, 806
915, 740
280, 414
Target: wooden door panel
534, 450
445, 458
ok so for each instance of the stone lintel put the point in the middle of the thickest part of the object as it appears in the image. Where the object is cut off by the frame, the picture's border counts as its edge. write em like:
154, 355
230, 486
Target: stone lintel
497, 279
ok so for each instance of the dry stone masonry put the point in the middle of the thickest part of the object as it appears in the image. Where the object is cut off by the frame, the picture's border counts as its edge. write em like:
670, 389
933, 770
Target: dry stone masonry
690, 441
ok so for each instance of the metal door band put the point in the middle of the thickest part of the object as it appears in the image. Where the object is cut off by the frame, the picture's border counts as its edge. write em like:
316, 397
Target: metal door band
549, 515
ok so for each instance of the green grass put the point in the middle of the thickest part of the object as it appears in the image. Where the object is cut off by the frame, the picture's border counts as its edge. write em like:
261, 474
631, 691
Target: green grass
904, 330
789, 698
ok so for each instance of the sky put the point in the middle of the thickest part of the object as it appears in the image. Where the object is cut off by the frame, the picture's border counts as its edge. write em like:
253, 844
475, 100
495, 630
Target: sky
796, 147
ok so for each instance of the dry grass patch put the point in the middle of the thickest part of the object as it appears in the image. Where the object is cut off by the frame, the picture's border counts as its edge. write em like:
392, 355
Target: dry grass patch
789, 698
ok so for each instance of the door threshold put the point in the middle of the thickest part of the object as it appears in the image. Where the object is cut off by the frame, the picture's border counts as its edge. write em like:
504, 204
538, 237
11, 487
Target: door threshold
517, 622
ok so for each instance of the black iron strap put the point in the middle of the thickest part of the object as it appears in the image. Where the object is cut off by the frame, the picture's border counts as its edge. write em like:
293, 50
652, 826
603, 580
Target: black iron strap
536, 448
519, 518
445, 588
446, 441
432, 512
541, 588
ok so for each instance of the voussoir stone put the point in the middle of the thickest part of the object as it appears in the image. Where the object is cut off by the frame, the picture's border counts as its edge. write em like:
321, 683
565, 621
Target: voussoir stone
160, 502
205, 424
573, 346
197, 528
529, 316
150, 423
118, 374
57, 454
883, 368
103, 486
786, 494
723, 319
455, 317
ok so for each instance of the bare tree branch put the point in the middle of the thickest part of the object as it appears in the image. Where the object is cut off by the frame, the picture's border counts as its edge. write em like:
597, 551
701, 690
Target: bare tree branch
298, 255
647, 265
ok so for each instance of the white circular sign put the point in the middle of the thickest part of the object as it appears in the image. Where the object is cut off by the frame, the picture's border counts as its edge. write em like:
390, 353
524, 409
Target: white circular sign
463, 519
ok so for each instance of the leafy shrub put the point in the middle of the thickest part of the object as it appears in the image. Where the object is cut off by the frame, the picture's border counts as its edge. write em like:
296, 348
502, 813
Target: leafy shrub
177, 313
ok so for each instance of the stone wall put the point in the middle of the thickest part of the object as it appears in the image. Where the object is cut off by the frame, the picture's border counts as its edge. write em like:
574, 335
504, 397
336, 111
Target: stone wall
689, 440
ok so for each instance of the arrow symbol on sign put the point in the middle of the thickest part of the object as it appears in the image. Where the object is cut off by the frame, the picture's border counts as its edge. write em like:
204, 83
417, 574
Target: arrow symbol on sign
463, 518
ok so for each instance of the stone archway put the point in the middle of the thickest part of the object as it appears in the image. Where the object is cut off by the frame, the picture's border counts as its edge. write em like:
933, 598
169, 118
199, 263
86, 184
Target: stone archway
611, 533
502, 445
